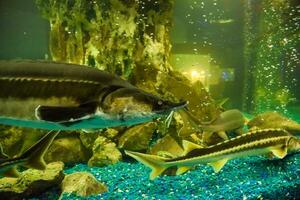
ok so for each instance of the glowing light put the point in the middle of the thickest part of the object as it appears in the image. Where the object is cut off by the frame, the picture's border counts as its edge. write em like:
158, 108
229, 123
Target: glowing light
195, 74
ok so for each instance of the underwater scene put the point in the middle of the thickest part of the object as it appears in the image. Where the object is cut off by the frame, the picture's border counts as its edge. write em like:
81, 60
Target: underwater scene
149, 99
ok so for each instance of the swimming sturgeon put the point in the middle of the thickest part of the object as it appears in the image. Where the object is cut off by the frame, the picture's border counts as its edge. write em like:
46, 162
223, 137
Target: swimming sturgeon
229, 120
277, 141
60, 96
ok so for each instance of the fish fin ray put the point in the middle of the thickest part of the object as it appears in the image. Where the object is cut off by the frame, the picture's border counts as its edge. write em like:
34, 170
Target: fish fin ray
156, 163
65, 114
35, 154
218, 165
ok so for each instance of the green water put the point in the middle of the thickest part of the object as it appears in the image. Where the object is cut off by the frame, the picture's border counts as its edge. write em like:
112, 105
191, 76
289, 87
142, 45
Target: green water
237, 48
249, 49
246, 51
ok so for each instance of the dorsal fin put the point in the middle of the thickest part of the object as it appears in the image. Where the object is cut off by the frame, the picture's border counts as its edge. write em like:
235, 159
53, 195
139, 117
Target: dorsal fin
189, 146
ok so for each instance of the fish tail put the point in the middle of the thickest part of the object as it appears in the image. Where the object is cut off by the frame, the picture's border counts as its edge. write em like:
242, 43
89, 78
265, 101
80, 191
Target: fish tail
156, 163
35, 154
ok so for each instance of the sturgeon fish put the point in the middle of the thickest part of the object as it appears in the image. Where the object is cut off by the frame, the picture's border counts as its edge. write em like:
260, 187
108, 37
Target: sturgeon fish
60, 96
31, 158
229, 120
277, 141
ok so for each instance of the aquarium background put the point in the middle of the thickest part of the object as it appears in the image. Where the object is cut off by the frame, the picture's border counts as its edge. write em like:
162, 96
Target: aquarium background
246, 51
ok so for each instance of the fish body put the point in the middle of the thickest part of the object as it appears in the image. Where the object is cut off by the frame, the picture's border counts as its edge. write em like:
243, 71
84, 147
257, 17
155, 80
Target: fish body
31, 158
230, 120
60, 96
276, 141
227, 121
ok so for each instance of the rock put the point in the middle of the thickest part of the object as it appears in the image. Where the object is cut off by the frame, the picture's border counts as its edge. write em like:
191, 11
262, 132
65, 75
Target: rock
105, 153
111, 133
11, 139
175, 85
68, 150
138, 137
82, 184
274, 120
15, 139
167, 146
31, 182
88, 139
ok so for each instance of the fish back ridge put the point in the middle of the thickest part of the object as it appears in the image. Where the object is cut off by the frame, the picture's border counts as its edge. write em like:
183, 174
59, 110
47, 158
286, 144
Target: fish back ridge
24, 79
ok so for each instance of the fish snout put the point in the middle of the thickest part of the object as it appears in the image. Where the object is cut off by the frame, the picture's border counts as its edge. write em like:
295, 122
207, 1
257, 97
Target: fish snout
167, 106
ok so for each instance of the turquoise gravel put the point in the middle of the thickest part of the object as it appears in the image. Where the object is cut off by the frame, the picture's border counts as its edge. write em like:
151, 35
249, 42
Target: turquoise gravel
245, 178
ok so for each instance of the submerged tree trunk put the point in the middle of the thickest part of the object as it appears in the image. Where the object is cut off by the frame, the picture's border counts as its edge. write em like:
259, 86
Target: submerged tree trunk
119, 36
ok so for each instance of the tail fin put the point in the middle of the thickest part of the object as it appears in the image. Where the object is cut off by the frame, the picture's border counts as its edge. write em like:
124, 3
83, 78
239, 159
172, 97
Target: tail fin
35, 154
156, 163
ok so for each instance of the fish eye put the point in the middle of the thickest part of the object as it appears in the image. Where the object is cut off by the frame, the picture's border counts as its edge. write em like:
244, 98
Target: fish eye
160, 102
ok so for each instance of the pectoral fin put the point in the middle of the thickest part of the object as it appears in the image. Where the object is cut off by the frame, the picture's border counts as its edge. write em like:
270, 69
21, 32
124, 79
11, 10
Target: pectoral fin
65, 114
218, 165
35, 154
223, 135
280, 152
206, 136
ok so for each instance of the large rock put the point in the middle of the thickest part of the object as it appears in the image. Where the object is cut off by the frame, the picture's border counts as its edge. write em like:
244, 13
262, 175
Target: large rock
138, 137
11, 139
82, 184
175, 85
15, 139
88, 137
274, 120
167, 147
68, 150
31, 182
105, 153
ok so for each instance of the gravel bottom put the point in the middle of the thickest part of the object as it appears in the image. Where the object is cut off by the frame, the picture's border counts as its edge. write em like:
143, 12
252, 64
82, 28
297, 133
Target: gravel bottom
245, 178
